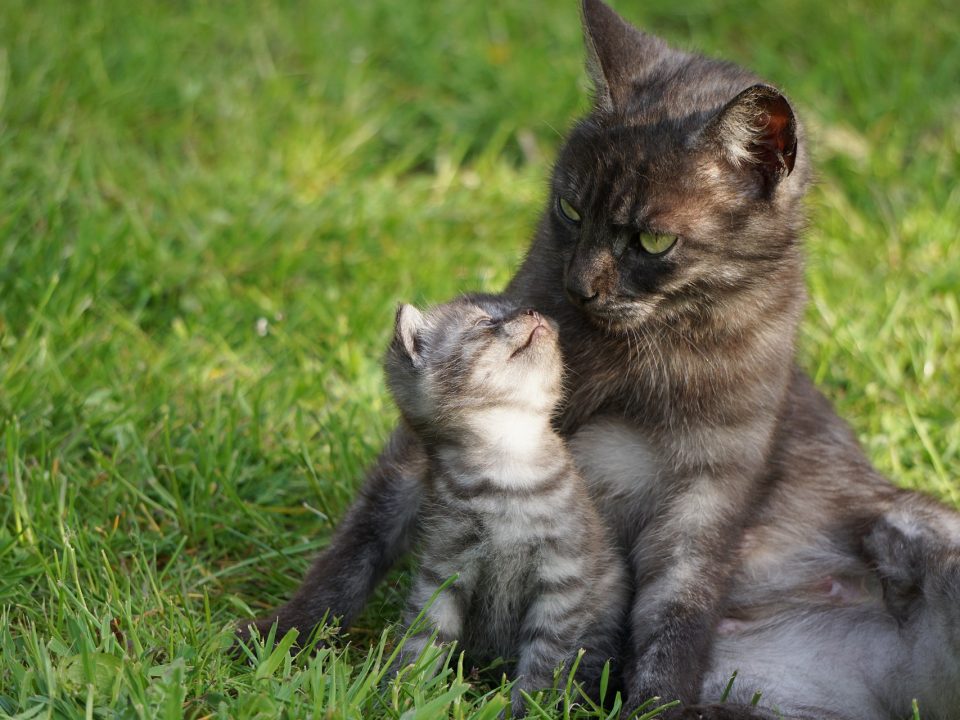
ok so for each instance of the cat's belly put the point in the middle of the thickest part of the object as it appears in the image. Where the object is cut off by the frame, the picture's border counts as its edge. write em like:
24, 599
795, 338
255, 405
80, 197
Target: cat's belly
620, 469
840, 657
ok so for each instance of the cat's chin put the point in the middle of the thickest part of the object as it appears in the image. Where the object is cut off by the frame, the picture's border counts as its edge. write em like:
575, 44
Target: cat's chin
621, 318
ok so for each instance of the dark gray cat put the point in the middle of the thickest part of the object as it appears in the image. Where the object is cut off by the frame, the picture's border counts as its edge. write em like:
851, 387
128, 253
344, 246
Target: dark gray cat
538, 576
669, 255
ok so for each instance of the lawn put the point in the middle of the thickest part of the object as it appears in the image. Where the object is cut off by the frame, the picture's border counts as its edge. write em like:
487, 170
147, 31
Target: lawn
207, 214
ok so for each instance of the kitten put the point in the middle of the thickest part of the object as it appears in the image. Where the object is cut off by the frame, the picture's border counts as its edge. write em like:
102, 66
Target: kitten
504, 509
669, 255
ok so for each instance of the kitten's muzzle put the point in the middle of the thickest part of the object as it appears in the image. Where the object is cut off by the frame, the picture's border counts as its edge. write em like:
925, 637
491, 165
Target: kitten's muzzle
535, 325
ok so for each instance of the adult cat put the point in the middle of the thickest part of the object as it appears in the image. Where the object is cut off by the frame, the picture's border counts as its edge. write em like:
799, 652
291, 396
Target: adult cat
669, 255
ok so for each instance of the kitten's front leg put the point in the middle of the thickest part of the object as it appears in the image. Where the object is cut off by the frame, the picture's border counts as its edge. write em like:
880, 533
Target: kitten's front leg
552, 626
443, 613
540, 655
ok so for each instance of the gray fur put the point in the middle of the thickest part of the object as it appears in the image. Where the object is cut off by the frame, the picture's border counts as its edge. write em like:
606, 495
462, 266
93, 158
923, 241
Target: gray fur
744, 500
863, 642
505, 511
694, 347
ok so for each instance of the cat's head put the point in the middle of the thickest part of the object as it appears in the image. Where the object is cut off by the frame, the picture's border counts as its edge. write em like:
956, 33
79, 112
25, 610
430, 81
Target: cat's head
682, 188
472, 354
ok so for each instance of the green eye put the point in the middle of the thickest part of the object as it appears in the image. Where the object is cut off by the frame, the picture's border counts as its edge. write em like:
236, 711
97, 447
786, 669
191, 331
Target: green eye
656, 244
568, 211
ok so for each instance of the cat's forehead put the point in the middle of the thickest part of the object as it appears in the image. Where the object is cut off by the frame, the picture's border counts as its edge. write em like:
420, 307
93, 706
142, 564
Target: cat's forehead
633, 150
625, 172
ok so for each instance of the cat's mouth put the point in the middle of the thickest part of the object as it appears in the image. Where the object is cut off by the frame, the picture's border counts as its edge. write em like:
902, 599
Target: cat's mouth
618, 317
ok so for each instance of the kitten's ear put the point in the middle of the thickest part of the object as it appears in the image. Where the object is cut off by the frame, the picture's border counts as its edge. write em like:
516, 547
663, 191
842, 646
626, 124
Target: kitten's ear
757, 132
406, 332
617, 54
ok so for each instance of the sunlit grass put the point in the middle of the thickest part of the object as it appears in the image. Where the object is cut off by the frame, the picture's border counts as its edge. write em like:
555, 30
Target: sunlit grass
207, 215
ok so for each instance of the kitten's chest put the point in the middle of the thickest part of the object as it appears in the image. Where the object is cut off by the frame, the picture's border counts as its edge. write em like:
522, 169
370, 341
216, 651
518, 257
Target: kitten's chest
505, 585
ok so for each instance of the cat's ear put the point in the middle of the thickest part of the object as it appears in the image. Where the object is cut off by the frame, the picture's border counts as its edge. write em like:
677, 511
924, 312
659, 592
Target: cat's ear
757, 133
617, 54
406, 332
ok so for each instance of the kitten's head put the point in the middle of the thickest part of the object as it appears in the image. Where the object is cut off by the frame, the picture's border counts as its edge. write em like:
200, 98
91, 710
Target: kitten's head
681, 189
475, 353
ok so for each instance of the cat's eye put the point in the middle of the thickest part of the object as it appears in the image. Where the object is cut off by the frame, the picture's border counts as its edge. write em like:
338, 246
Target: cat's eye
485, 322
568, 211
656, 243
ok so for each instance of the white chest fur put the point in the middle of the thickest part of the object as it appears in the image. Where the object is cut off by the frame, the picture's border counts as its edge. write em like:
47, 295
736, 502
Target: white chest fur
620, 469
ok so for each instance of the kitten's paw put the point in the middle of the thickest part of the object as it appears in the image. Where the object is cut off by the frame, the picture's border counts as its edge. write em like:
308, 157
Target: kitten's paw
518, 706
897, 551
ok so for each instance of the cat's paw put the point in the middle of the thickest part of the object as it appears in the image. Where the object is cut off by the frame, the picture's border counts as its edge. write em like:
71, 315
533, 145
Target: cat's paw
718, 711
248, 632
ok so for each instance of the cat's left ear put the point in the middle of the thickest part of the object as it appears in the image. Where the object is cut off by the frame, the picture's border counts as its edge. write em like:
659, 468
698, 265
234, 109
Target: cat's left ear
618, 55
757, 133
406, 332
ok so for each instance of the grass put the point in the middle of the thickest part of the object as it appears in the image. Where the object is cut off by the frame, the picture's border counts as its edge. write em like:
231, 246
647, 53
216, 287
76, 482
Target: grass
207, 214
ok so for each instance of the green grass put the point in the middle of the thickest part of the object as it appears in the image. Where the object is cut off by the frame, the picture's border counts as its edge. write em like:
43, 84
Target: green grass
207, 214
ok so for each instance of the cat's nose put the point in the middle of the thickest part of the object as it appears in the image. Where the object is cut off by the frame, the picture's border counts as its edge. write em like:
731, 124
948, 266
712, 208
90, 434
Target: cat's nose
580, 292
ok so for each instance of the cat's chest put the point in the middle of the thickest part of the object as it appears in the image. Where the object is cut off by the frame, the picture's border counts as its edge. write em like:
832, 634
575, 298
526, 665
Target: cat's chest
621, 468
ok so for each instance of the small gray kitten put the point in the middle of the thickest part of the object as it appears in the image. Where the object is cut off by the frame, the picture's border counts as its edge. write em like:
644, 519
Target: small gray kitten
538, 576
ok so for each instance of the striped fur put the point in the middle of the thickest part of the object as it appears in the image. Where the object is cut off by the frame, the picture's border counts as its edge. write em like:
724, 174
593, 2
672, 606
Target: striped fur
505, 511
746, 504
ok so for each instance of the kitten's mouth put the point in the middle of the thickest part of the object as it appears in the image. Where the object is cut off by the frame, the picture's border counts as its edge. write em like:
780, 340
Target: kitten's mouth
539, 330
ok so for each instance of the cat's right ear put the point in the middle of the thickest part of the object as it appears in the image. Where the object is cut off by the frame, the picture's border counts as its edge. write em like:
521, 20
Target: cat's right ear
618, 54
757, 133
406, 332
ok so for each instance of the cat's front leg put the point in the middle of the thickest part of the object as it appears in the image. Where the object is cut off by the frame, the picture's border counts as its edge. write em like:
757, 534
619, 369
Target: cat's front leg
682, 563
